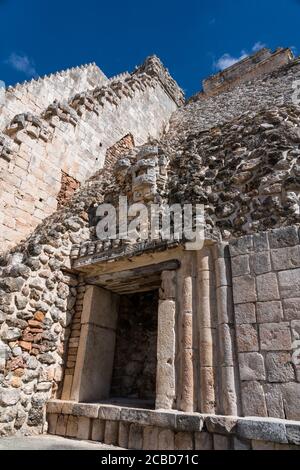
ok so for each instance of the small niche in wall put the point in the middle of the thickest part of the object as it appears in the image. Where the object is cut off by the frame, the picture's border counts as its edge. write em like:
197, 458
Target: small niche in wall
68, 186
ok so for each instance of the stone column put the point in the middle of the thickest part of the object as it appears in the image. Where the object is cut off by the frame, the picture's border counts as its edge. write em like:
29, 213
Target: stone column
229, 403
205, 332
185, 301
165, 375
94, 364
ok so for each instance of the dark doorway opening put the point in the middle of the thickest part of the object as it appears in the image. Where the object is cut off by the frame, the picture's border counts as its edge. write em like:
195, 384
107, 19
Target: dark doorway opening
134, 370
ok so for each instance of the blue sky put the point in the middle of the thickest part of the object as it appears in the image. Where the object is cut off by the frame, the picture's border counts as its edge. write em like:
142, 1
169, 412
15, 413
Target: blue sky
192, 37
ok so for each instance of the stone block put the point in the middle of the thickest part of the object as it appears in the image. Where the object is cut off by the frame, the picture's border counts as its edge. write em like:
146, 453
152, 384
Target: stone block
84, 428
241, 246
240, 265
166, 440
247, 339
291, 400
244, 290
150, 438
111, 433
260, 242
223, 272
184, 441
262, 445
269, 312
261, 262
262, 430
189, 422
221, 442
224, 303
241, 444
291, 309
282, 237
274, 401
279, 367
61, 425
123, 435
72, 426
135, 440
226, 339
109, 412
267, 287
52, 422
220, 424
85, 409
286, 258
252, 366
293, 433
168, 285
163, 419
275, 337
289, 283
244, 313
98, 429
253, 399
133, 415
54, 406
203, 441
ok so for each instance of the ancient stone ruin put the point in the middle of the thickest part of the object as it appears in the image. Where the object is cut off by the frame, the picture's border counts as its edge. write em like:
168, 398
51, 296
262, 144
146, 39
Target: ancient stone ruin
152, 345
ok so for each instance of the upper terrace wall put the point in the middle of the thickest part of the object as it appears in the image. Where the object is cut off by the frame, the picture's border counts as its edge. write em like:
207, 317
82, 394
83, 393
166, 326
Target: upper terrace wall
204, 112
36, 95
74, 138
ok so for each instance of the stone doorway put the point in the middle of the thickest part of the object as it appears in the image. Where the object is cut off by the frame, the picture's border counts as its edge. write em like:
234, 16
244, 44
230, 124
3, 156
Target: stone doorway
135, 359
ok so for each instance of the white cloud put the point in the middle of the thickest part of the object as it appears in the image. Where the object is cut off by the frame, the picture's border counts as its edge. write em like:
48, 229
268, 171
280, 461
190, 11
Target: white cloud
257, 46
227, 60
22, 63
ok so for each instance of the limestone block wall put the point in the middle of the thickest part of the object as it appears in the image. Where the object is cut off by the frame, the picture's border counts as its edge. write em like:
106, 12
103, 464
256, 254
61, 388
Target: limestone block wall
74, 138
266, 294
34, 96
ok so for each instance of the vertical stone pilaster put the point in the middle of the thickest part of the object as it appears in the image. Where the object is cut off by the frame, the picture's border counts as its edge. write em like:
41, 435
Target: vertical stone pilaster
225, 330
165, 375
205, 332
185, 320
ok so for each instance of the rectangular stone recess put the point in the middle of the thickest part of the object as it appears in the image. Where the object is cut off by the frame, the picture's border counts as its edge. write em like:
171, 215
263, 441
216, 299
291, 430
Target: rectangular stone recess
134, 369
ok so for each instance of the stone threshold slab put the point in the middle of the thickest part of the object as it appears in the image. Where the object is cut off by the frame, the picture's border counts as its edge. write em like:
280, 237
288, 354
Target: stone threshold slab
254, 428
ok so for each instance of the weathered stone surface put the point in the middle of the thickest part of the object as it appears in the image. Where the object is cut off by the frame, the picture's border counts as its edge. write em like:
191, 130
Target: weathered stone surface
239, 444
291, 400
135, 440
286, 258
289, 283
244, 290
269, 312
9, 396
245, 313
220, 424
150, 438
264, 430
184, 441
279, 367
247, 339
123, 435
275, 337
291, 308
98, 429
221, 442
84, 428
240, 265
267, 287
283, 237
111, 433
274, 401
111, 413
72, 427
293, 433
261, 262
166, 440
252, 366
203, 441
189, 422
253, 399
